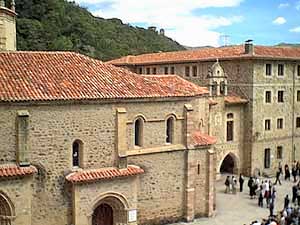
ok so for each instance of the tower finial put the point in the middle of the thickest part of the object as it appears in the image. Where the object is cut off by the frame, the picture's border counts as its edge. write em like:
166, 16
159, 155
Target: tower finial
13, 5
2, 3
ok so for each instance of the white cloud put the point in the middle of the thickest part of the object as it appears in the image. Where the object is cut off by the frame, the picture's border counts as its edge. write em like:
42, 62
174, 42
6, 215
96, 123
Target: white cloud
283, 5
177, 18
298, 5
279, 20
295, 29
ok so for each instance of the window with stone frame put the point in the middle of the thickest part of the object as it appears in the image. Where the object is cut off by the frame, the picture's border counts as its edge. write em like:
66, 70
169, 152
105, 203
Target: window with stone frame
267, 158
280, 123
170, 130
267, 124
298, 122
298, 95
77, 151
268, 97
6, 214
279, 152
268, 69
148, 70
187, 71
172, 70
138, 132
154, 70
166, 70
280, 96
195, 71
280, 70
229, 127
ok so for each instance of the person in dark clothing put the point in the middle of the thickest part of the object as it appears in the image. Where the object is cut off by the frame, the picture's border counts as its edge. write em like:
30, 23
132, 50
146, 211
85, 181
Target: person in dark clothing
287, 172
294, 193
271, 207
278, 177
241, 181
298, 196
286, 201
250, 184
294, 173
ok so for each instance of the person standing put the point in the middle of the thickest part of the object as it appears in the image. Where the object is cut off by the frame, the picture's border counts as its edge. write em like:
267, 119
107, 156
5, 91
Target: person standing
241, 181
250, 184
294, 193
227, 185
294, 173
287, 172
233, 185
286, 202
278, 177
271, 207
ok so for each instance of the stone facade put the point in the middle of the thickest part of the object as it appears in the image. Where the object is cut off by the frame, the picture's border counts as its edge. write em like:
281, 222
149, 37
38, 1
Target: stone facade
7, 28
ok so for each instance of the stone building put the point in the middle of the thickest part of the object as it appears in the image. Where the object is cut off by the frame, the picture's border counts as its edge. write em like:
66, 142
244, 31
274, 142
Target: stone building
87, 143
262, 101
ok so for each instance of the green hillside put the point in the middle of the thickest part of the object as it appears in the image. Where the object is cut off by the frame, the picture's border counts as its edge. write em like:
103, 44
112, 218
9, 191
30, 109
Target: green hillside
61, 25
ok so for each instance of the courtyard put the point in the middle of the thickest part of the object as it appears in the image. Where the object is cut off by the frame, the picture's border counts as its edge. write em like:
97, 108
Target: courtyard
239, 209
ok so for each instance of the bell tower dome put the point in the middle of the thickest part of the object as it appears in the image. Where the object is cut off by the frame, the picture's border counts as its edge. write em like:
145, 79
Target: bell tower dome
8, 15
217, 80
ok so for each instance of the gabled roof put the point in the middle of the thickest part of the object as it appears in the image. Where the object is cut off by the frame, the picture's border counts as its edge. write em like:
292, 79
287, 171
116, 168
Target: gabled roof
234, 99
209, 54
11, 170
44, 76
200, 139
103, 174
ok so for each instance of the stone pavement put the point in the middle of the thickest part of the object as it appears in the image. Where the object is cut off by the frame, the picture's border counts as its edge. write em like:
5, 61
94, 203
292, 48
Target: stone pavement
239, 209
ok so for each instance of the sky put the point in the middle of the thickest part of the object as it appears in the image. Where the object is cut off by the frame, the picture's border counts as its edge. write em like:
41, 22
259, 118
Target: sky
208, 22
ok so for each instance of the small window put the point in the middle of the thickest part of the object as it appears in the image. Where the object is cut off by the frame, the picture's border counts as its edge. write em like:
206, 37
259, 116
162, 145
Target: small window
138, 132
280, 123
298, 122
268, 96
154, 70
298, 96
267, 159
229, 127
280, 96
195, 71
187, 71
148, 70
268, 124
166, 70
298, 71
172, 70
268, 69
140, 70
280, 69
279, 152
222, 88
77, 153
170, 130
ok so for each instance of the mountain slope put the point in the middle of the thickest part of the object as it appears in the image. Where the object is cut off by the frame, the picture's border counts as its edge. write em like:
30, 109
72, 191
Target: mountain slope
61, 25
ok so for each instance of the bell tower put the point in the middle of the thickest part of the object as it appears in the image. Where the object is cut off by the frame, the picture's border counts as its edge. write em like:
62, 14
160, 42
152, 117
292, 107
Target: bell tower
217, 80
8, 15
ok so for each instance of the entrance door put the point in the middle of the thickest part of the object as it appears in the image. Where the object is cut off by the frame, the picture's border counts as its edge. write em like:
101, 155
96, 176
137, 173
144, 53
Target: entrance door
227, 165
103, 215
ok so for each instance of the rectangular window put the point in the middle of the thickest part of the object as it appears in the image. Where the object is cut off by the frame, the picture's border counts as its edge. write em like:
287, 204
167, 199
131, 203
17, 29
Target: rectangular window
23, 137
268, 124
280, 123
268, 69
172, 70
279, 152
148, 70
280, 96
229, 136
140, 70
166, 70
297, 122
195, 72
280, 69
187, 71
154, 70
267, 158
298, 95
268, 96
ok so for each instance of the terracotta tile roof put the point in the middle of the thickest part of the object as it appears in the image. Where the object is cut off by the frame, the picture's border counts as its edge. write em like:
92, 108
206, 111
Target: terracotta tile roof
212, 102
16, 171
208, 54
200, 139
103, 174
234, 99
44, 76
178, 84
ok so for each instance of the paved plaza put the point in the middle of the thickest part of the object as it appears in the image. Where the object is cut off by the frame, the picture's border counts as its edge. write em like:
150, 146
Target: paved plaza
239, 209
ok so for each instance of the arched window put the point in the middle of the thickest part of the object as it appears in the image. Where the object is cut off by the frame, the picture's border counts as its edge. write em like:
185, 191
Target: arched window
229, 127
6, 211
77, 154
138, 132
170, 130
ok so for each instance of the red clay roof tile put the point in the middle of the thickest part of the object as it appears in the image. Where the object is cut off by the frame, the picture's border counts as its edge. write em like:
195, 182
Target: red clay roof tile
42, 76
207, 54
103, 174
200, 139
10, 170
234, 99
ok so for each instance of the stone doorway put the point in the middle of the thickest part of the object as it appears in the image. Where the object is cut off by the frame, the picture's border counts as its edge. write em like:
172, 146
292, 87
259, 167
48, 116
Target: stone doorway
228, 165
103, 215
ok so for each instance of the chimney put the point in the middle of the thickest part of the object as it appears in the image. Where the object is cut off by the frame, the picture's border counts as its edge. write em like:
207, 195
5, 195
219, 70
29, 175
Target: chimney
249, 48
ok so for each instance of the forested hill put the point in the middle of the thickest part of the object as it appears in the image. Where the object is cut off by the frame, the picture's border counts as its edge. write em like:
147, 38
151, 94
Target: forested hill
61, 25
